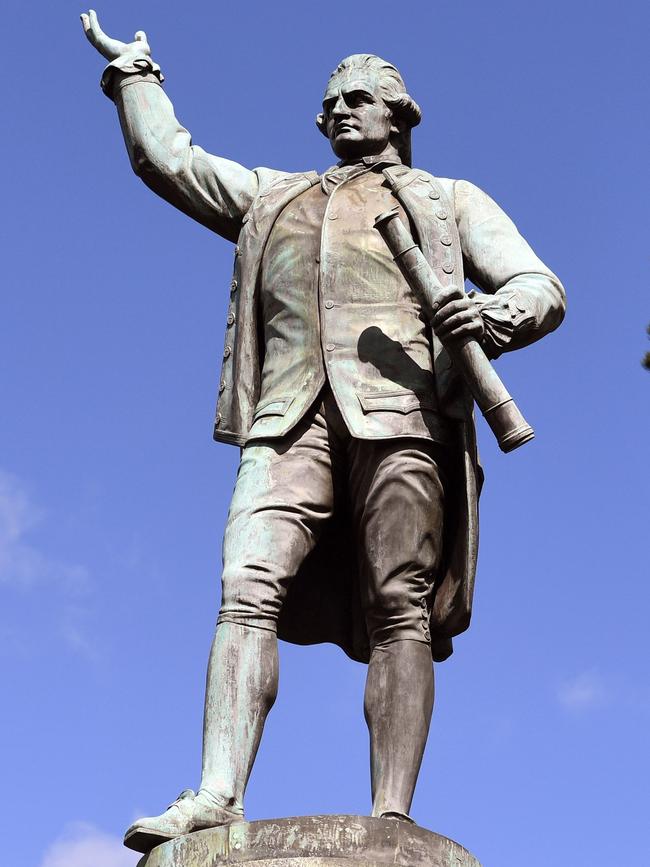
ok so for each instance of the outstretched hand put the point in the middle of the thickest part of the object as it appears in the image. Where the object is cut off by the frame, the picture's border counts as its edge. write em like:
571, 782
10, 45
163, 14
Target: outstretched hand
111, 48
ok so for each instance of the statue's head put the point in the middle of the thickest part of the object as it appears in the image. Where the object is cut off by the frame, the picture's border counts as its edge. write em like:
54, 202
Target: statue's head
366, 108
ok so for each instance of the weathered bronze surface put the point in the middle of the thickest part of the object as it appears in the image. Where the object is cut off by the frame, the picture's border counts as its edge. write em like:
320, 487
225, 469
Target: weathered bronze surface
354, 517
313, 841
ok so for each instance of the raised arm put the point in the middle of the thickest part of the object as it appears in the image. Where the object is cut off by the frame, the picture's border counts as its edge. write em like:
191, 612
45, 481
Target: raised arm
524, 300
215, 191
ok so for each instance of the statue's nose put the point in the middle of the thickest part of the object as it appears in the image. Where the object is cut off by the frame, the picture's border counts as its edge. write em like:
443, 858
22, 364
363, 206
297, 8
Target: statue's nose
340, 109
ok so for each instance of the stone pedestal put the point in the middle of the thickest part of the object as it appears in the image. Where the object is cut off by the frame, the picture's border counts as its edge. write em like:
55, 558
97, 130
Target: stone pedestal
313, 841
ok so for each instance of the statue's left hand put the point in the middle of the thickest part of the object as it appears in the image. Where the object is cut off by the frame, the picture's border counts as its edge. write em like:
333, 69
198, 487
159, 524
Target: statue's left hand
458, 319
108, 47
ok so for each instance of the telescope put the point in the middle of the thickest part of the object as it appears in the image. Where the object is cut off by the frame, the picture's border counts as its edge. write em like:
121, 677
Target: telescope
497, 406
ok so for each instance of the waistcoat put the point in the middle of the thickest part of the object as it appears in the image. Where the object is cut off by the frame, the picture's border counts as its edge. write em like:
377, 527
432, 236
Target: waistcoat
430, 213
334, 304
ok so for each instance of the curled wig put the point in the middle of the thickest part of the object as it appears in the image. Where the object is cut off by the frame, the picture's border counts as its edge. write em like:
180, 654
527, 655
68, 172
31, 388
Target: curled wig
405, 109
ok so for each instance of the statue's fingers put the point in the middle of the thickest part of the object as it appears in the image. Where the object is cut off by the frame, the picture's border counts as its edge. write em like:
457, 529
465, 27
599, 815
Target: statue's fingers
444, 327
89, 30
459, 332
94, 23
443, 298
110, 48
140, 36
100, 36
448, 308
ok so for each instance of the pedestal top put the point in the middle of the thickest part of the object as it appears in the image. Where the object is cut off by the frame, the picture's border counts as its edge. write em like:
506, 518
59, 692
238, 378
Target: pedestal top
313, 841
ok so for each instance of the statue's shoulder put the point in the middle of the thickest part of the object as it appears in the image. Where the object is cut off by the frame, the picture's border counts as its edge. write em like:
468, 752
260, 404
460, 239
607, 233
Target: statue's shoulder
462, 194
447, 184
422, 180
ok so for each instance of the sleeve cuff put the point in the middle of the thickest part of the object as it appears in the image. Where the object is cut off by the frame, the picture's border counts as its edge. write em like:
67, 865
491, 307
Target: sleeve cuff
503, 316
130, 64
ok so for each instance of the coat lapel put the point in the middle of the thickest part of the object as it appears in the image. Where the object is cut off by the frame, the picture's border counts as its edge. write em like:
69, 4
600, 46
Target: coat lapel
241, 371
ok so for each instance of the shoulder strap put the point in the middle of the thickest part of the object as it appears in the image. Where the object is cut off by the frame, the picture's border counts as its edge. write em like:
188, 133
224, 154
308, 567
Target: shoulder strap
399, 176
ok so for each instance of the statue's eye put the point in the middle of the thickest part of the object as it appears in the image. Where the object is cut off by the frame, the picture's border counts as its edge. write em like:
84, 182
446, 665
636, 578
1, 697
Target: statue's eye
357, 98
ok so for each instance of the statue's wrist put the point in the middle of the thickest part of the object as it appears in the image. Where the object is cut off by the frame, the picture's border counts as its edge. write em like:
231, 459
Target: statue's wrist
131, 63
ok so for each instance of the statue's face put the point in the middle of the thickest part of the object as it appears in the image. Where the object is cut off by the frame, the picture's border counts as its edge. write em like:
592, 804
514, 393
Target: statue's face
356, 119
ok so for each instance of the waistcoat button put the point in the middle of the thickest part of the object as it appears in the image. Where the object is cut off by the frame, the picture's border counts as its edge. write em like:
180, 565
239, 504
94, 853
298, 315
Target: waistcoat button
227, 352
332, 215
233, 285
222, 386
329, 304
448, 268
441, 215
230, 319
217, 420
446, 240
434, 194
330, 347
237, 250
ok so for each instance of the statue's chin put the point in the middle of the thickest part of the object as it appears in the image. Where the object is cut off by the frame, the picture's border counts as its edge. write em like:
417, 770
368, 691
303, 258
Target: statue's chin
346, 149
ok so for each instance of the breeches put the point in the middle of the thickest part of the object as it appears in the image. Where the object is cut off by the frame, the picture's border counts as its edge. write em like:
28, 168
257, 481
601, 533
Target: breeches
286, 491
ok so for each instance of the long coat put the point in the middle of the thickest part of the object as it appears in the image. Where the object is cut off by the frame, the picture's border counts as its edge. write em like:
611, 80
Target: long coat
524, 301
323, 602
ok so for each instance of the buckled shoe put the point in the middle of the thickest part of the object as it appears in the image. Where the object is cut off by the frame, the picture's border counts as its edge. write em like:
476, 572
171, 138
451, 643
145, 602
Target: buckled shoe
188, 813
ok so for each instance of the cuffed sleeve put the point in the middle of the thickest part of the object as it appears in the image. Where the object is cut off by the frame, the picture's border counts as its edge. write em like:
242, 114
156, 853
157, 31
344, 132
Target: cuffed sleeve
133, 63
524, 299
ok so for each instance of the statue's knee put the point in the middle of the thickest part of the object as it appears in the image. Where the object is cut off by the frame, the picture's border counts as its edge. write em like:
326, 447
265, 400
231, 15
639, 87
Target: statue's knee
395, 615
247, 600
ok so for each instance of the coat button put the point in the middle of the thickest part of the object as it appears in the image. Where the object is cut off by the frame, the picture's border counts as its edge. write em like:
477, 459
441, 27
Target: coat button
330, 347
226, 352
217, 420
434, 194
446, 240
332, 215
233, 285
329, 304
222, 385
237, 250
448, 268
441, 215
230, 319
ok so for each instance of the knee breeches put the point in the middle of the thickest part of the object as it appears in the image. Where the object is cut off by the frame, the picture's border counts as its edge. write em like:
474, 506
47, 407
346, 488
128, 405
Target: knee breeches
288, 489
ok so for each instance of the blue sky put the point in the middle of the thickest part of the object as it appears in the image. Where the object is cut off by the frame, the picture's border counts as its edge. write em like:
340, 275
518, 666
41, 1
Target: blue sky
113, 496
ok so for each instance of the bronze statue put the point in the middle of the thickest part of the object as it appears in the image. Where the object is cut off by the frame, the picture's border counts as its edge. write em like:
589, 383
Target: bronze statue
354, 515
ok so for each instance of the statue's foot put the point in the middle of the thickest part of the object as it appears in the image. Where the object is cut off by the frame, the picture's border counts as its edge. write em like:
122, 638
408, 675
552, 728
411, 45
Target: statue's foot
188, 813
393, 814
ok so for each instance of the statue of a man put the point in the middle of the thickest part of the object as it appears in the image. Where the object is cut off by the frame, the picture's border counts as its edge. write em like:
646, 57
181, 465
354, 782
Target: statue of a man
354, 514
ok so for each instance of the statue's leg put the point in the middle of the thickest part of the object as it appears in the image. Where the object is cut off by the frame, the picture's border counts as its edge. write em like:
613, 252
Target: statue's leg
398, 502
283, 497
398, 704
242, 684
